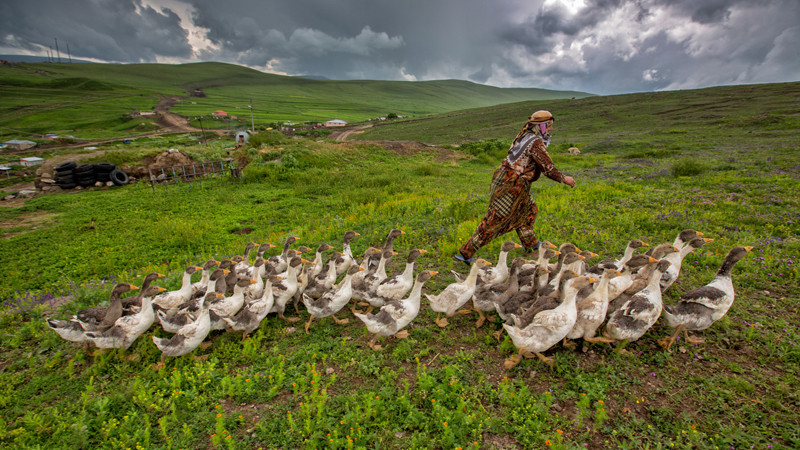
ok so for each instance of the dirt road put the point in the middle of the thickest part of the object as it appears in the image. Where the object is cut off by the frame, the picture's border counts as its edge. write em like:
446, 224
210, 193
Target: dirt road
344, 134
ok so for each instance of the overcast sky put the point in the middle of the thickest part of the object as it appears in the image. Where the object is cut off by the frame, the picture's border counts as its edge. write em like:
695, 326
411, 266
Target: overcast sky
598, 46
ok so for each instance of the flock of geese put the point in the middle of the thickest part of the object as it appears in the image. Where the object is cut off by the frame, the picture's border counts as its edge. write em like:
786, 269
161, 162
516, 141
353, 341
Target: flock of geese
541, 303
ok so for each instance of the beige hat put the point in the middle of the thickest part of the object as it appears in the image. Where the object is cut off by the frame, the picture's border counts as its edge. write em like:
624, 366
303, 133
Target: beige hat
541, 116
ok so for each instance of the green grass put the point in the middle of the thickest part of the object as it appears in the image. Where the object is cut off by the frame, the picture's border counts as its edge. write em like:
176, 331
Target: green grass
93, 100
283, 388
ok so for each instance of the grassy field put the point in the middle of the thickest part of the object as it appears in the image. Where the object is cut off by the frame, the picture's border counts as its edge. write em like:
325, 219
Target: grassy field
722, 160
92, 100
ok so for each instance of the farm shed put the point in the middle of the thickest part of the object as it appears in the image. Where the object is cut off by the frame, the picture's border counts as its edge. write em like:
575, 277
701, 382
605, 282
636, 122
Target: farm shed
242, 137
219, 113
20, 144
31, 161
335, 123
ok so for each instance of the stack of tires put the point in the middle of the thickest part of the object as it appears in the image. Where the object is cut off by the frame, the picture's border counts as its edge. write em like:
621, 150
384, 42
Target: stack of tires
85, 175
65, 176
69, 174
103, 171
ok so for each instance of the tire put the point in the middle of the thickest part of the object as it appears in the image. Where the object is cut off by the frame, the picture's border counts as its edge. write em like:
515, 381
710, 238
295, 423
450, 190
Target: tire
102, 176
86, 182
119, 177
83, 169
65, 166
104, 167
65, 178
67, 185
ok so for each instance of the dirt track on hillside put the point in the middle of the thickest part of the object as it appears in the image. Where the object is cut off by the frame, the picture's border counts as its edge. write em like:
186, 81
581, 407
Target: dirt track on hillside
171, 122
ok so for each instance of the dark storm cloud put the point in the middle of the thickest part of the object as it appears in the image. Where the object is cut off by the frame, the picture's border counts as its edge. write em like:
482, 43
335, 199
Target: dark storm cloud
112, 30
600, 46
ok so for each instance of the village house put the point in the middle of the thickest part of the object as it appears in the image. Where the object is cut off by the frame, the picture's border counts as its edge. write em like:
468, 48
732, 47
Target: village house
20, 144
335, 123
218, 114
31, 161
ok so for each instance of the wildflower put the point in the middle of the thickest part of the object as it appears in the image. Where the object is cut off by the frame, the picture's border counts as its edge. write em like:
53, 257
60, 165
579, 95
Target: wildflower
560, 431
547, 442
445, 424
341, 422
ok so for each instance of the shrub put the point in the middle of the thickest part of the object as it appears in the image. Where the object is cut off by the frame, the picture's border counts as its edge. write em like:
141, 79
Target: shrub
271, 137
688, 168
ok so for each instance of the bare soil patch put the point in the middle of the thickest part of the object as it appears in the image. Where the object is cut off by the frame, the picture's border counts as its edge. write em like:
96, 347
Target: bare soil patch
30, 221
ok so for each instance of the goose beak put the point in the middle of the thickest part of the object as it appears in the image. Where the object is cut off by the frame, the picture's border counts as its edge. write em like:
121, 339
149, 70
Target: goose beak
558, 252
748, 248
553, 246
645, 244
433, 272
160, 289
517, 245
357, 234
160, 275
226, 271
708, 240
133, 288
423, 251
652, 260
700, 234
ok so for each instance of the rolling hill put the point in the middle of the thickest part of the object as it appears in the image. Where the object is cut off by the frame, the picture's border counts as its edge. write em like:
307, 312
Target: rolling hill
92, 100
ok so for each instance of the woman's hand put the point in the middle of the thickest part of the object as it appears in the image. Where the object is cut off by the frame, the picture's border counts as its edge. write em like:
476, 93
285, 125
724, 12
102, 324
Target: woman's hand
569, 181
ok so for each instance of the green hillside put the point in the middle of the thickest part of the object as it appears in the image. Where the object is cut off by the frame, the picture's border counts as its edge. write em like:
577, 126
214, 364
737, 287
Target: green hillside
644, 119
91, 100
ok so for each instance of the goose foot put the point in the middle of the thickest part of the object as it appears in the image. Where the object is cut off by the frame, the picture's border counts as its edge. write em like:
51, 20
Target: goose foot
371, 344
692, 340
289, 319
402, 334
355, 311
512, 361
464, 312
442, 322
569, 344
599, 340
340, 321
481, 319
498, 334
666, 343
308, 324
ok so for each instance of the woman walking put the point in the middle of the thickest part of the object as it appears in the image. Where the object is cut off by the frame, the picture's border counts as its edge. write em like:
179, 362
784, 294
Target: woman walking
510, 204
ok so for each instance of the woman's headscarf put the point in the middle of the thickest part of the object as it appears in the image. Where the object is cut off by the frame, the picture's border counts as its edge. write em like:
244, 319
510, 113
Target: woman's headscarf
533, 129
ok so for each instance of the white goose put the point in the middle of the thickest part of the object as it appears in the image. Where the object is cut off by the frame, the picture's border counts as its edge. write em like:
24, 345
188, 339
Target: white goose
332, 301
128, 328
396, 314
191, 335
395, 287
548, 327
249, 318
640, 312
170, 300
456, 295
676, 258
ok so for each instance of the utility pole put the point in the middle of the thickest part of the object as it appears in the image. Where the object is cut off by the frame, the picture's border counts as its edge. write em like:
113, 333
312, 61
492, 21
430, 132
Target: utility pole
200, 119
252, 122
49, 54
69, 54
58, 52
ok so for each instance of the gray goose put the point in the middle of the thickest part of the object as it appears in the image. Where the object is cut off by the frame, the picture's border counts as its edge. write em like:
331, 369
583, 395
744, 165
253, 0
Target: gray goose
102, 318
136, 300
699, 308
373, 262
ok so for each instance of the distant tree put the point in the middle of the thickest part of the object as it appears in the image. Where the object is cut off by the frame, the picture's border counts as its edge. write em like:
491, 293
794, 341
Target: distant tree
391, 116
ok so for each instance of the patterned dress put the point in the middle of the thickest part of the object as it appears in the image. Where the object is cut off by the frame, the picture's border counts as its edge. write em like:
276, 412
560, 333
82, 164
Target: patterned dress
510, 204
